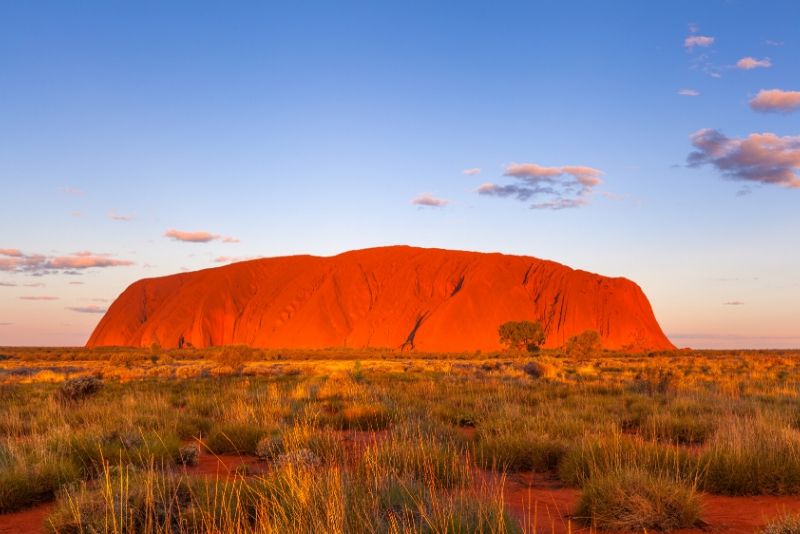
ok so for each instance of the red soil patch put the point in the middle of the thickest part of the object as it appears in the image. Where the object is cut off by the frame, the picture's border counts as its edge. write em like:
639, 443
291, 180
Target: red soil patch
539, 500
430, 299
30, 521
225, 465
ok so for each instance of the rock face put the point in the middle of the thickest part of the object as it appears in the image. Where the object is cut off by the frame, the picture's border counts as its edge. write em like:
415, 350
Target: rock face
391, 297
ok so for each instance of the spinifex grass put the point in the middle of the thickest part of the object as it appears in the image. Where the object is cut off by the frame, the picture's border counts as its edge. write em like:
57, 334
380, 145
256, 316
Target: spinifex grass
393, 443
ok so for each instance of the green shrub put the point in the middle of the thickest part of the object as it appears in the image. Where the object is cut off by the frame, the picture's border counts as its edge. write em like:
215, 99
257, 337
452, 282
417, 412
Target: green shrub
518, 451
679, 429
77, 389
748, 456
597, 455
93, 455
235, 438
635, 500
363, 417
22, 486
438, 464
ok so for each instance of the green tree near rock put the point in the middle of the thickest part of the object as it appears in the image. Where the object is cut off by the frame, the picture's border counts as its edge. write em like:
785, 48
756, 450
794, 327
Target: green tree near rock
522, 335
584, 344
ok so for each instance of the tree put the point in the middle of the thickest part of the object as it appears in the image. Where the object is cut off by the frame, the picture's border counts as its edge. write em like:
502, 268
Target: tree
522, 335
584, 344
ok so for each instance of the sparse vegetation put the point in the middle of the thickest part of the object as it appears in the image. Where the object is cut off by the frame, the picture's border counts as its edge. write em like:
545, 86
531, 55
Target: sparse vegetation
583, 345
636, 500
522, 335
393, 444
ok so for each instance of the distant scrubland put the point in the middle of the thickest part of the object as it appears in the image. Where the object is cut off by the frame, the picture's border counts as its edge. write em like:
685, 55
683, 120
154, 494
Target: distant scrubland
120, 440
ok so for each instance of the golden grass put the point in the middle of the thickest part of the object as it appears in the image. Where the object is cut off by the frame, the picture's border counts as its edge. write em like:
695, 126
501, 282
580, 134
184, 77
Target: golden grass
387, 441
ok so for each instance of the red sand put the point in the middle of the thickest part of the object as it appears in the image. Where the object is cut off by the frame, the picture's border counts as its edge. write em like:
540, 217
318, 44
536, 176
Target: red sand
30, 521
540, 501
428, 299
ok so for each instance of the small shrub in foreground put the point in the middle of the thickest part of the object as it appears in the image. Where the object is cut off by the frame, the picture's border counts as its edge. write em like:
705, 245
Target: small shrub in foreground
515, 451
634, 500
234, 438
786, 524
77, 389
189, 455
747, 456
597, 455
23, 486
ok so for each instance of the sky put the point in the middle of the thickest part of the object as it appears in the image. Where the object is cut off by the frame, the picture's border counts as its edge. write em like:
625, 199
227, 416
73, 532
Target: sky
659, 141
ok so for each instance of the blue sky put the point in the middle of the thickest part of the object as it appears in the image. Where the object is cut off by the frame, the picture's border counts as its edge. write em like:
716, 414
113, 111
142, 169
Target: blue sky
311, 127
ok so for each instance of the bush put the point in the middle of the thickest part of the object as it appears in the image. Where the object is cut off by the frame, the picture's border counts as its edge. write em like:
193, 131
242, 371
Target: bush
234, 438
269, 448
432, 463
233, 356
786, 524
634, 500
522, 335
654, 382
596, 456
189, 455
678, 429
748, 456
77, 389
94, 455
583, 345
22, 486
539, 369
518, 451
363, 417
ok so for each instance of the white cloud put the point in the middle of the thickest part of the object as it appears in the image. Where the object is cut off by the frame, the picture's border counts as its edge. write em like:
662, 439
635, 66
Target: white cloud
702, 41
749, 63
426, 199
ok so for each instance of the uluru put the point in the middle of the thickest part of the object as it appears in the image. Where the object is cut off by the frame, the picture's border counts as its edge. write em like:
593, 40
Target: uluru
388, 297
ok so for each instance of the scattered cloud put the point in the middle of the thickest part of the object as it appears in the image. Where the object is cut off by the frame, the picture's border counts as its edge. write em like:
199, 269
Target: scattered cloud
76, 214
7, 284
197, 237
190, 237
232, 259
750, 63
114, 216
733, 303
689, 92
86, 260
560, 204
13, 252
74, 191
776, 101
87, 309
34, 284
426, 199
38, 264
760, 157
472, 172
6, 324
702, 41
38, 297
567, 187
76, 283
772, 42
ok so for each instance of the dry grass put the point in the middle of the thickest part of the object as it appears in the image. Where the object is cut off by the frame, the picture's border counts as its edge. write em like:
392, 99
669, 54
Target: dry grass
386, 441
